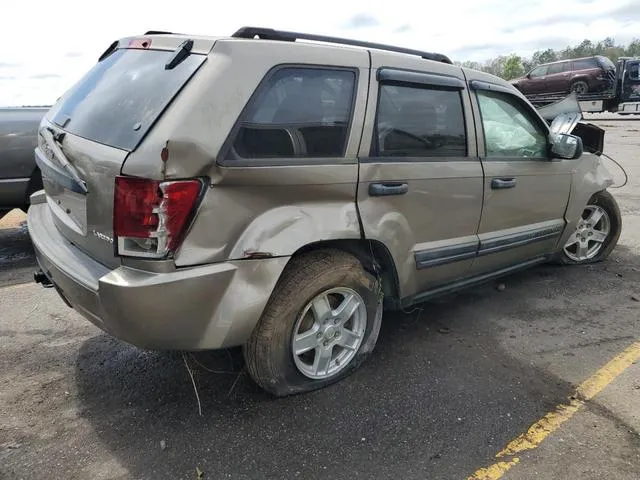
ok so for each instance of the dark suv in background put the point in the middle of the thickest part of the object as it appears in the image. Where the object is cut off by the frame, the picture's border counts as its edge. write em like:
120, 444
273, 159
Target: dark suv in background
580, 75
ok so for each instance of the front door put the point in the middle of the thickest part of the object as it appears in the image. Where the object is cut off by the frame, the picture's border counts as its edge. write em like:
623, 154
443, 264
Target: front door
420, 180
525, 190
537, 80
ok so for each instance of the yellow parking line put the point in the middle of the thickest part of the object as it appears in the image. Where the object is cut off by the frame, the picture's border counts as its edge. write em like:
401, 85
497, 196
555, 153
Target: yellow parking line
540, 430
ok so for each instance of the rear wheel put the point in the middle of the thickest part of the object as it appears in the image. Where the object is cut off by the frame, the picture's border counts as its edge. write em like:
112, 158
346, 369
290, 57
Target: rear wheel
580, 87
596, 234
321, 323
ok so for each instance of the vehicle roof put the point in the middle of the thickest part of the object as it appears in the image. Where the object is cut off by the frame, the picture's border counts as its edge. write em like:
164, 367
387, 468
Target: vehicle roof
569, 60
163, 39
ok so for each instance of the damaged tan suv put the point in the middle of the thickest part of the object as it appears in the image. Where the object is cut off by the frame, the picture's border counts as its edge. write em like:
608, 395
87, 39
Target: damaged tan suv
273, 190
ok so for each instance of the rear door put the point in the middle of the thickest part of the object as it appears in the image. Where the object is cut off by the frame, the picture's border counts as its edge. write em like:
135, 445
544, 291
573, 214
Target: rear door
86, 137
525, 190
558, 77
420, 188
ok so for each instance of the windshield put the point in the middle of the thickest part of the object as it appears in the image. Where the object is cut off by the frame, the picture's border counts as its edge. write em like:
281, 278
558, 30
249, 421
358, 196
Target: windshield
118, 100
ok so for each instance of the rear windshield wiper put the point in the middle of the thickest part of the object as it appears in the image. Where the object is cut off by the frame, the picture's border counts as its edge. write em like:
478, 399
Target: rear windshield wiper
180, 53
49, 137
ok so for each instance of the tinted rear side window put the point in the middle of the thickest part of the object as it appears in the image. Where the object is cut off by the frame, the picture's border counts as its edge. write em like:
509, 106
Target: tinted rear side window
420, 122
585, 64
558, 68
298, 112
118, 100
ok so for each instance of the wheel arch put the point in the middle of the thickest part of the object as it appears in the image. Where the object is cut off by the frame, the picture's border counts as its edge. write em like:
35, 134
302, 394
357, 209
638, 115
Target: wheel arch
580, 78
374, 256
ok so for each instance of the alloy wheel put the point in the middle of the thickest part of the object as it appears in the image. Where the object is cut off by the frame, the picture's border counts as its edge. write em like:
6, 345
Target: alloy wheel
590, 236
329, 332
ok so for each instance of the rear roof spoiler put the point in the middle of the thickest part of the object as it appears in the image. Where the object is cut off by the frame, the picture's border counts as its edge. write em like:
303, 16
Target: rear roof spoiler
114, 45
284, 36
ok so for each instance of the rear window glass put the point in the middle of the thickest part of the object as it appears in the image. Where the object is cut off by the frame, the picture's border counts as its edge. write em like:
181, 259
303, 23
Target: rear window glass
634, 71
557, 68
298, 113
585, 64
118, 100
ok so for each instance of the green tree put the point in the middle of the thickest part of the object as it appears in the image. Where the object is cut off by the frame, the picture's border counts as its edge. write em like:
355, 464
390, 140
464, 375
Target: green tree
633, 49
495, 66
513, 67
544, 56
585, 49
470, 64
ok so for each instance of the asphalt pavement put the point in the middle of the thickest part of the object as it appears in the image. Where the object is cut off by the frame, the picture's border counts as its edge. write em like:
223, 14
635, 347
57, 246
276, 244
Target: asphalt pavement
448, 386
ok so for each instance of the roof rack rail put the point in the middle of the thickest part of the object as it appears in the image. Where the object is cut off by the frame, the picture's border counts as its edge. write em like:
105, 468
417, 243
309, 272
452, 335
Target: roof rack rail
284, 36
157, 32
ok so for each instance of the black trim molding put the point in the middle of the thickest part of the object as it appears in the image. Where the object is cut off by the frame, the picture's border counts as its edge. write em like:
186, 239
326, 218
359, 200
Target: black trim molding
434, 257
417, 78
468, 282
442, 255
492, 87
515, 240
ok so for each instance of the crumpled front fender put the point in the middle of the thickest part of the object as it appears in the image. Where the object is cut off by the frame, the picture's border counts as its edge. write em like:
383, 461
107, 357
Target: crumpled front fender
589, 178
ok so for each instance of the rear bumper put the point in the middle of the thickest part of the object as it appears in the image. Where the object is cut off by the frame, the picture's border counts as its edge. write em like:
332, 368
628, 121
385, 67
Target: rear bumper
205, 307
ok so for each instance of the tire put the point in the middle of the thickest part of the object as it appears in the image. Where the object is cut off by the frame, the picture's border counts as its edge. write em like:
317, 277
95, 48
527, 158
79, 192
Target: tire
601, 202
269, 353
580, 87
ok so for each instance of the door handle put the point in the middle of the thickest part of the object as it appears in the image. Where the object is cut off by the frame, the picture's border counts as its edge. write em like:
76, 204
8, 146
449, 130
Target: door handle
384, 189
503, 183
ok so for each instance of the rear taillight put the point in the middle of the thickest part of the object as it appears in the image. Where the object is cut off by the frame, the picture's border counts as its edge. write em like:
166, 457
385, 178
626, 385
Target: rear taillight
150, 217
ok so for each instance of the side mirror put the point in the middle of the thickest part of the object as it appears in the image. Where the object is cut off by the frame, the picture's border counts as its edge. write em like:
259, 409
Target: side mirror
566, 146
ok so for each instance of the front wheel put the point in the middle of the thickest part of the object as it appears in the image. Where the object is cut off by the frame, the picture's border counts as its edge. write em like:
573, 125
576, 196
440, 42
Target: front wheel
321, 323
596, 234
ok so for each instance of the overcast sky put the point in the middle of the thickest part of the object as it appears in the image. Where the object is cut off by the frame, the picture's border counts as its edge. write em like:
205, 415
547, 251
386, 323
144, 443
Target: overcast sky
45, 46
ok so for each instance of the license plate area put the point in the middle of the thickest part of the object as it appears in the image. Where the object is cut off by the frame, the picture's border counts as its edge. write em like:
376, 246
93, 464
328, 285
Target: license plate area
66, 201
69, 207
